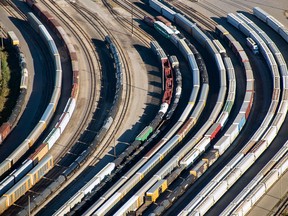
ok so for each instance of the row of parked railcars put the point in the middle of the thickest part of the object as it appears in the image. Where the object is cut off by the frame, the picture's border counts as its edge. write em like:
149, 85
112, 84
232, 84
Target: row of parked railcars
153, 157
137, 199
167, 74
46, 117
260, 184
42, 150
168, 81
205, 141
261, 146
233, 130
257, 145
25, 183
141, 137
187, 25
272, 22
178, 88
117, 195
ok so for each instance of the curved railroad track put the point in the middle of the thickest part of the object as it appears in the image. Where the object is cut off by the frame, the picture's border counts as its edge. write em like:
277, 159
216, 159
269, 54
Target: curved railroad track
126, 23
85, 42
13, 10
103, 30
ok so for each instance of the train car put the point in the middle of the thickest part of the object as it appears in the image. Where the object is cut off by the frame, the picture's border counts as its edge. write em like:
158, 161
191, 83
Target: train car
186, 24
153, 193
163, 29
199, 169
14, 39
20, 188
144, 133
163, 20
4, 131
149, 20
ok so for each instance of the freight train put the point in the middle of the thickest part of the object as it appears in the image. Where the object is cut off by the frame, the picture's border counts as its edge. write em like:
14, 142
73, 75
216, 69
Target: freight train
50, 140
27, 182
108, 122
155, 157
264, 136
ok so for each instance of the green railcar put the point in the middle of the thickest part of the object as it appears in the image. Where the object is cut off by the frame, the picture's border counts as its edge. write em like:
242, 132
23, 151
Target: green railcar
144, 133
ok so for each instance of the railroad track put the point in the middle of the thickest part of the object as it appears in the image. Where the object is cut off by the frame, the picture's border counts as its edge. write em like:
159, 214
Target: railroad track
216, 10
104, 30
85, 42
206, 21
12, 9
282, 208
126, 23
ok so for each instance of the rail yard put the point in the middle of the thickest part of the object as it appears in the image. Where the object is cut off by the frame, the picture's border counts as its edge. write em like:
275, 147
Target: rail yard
145, 107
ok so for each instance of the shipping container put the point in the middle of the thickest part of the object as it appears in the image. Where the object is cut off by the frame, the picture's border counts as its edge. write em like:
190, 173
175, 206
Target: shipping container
190, 158
261, 14
199, 35
222, 144
245, 29
199, 169
184, 22
219, 46
43, 167
244, 164
185, 50
232, 132
63, 121
39, 153
156, 5
240, 121
234, 20
284, 33
213, 131
274, 23
153, 193
163, 20
168, 13
211, 47
259, 148
52, 137
203, 144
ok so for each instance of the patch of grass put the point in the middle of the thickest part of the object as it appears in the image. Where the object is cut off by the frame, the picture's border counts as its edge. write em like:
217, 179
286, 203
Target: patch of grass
4, 79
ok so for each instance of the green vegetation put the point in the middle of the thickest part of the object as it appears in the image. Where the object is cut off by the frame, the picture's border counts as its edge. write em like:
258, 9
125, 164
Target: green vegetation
4, 79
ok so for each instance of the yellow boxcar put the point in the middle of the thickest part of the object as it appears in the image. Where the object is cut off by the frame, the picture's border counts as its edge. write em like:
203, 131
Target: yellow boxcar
18, 190
153, 193
43, 167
